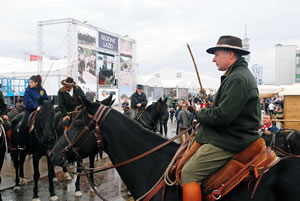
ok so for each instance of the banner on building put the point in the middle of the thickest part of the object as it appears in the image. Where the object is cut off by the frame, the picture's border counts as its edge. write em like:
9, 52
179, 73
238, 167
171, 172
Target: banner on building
126, 48
108, 42
35, 57
87, 37
106, 69
87, 78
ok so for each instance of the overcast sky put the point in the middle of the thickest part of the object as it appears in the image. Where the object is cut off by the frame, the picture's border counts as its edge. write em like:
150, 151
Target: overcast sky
161, 28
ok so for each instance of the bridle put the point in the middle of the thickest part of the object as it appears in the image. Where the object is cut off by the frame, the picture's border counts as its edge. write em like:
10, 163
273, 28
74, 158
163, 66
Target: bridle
285, 143
33, 121
96, 119
145, 114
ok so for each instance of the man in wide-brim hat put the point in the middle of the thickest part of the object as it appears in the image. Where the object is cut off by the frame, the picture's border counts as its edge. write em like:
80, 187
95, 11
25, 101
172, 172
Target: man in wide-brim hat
68, 82
231, 124
68, 99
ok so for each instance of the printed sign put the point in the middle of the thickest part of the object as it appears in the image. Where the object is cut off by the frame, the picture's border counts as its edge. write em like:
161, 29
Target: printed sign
108, 42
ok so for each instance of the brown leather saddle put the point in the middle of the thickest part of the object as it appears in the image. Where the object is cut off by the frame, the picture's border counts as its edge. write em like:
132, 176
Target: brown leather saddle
251, 162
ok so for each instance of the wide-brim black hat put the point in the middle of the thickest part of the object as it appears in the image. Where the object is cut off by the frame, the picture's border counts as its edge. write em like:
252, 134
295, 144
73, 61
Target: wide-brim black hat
232, 43
68, 82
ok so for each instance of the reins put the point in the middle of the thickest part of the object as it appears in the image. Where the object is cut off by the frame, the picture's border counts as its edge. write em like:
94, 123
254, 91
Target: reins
110, 166
96, 118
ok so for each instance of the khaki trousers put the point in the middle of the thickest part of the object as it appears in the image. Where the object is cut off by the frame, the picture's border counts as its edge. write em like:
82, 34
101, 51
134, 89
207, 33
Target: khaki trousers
206, 160
181, 137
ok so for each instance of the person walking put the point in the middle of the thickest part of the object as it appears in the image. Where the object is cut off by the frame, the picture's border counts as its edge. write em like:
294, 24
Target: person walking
184, 121
231, 124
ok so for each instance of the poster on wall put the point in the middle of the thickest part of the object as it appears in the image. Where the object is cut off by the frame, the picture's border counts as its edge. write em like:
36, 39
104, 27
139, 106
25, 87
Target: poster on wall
87, 37
126, 74
106, 69
105, 92
87, 77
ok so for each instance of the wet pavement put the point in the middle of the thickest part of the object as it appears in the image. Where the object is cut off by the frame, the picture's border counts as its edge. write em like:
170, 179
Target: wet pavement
108, 183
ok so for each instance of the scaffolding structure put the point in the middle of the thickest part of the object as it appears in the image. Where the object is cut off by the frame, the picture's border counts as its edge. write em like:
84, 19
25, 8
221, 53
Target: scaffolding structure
71, 42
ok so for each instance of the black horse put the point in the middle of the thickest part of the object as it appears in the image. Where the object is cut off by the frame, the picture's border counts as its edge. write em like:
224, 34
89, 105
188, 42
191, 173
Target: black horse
3, 147
38, 141
59, 128
124, 139
285, 139
157, 111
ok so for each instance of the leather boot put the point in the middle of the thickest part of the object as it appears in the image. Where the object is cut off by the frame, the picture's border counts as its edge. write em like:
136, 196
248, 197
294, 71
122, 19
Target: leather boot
191, 192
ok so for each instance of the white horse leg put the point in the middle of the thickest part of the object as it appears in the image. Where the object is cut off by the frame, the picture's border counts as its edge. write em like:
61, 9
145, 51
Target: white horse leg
23, 181
53, 198
77, 194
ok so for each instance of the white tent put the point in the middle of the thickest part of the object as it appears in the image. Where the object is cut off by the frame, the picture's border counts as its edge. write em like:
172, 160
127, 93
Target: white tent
53, 71
173, 78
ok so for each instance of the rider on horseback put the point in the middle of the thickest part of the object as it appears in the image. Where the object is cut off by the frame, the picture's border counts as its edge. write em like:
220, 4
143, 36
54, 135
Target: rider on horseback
3, 112
231, 124
68, 98
138, 101
32, 94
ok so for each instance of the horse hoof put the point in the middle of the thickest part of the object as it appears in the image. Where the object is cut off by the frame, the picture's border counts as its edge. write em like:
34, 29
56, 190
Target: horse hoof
78, 194
55, 180
23, 181
17, 188
53, 198
36, 199
67, 177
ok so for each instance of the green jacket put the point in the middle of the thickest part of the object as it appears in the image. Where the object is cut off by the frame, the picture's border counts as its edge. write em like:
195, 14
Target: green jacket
233, 120
66, 102
3, 107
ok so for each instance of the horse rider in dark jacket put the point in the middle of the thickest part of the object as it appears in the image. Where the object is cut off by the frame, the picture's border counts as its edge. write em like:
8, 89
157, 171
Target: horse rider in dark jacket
230, 124
138, 100
3, 113
68, 98
32, 95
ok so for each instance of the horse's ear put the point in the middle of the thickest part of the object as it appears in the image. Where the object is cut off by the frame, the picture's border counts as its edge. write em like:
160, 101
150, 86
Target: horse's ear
159, 100
41, 101
112, 102
107, 101
52, 102
166, 99
86, 102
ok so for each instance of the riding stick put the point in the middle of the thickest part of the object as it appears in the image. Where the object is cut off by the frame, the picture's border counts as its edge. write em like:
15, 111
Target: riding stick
198, 76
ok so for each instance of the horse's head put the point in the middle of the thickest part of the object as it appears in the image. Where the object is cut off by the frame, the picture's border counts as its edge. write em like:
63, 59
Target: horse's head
163, 109
79, 133
44, 129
